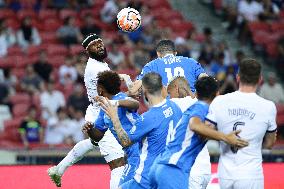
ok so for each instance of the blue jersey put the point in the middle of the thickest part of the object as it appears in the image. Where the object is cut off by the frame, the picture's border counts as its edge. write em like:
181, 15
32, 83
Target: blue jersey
184, 144
127, 119
152, 130
171, 66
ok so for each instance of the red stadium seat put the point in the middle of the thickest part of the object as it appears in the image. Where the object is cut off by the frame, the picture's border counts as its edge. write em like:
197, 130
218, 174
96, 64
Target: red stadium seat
19, 73
34, 50
7, 13
20, 110
13, 123
49, 37
64, 13
56, 61
45, 14
20, 98
280, 108
21, 14
76, 49
272, 50
57, 50
280, 120
22, 61
13, 23
52, 25
14, 51
277, 26
8, 62
12, 134
259, 26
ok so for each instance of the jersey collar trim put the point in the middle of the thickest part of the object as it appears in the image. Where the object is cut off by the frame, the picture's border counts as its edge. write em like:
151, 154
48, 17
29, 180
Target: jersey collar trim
161, 103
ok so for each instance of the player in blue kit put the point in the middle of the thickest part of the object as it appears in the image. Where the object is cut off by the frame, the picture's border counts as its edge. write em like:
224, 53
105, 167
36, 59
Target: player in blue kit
168, 65
151, 129
171, 168
108, 85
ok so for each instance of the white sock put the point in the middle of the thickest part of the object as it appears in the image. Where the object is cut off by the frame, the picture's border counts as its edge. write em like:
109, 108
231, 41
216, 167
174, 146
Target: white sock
76, 154
115, 177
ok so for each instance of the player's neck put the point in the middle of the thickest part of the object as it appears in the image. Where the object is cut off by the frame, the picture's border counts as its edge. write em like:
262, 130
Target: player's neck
154, 100
247, 88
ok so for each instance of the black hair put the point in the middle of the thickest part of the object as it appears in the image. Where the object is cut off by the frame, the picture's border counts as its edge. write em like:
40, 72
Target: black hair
207, 31
206, 88
152, 82
249, 71
110, 81
165, 46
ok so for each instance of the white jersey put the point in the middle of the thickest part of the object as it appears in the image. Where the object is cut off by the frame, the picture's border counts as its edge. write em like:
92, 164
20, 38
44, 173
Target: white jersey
202, 164
90, 78
254, 116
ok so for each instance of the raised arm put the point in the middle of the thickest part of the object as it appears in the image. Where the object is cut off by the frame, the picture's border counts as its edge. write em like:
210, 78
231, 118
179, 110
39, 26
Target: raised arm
128, 103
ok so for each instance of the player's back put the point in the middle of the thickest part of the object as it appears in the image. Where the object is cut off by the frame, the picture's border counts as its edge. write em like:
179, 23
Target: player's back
127, 118
171, 66
183, 145
161, 117
254, 116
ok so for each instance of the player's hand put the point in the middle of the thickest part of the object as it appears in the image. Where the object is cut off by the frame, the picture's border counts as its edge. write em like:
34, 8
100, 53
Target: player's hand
234, 140
87, 127
99, 99
109, 108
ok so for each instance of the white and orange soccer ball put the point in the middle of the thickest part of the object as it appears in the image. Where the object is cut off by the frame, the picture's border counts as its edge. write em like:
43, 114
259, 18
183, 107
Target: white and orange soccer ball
128, 19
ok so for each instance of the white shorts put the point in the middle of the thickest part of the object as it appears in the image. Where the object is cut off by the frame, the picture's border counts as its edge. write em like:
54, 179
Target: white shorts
241, 184
199, 182
109, 147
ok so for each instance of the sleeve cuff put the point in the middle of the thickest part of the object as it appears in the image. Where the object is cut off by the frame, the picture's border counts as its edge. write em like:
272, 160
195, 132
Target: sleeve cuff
272, 131
213, 122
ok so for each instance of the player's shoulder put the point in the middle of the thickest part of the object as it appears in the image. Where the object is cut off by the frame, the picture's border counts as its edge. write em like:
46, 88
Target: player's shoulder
120, 96
198, 106
188, 59
266, 103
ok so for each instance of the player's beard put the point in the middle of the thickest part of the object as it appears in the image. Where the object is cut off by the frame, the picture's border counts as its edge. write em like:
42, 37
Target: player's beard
97, 56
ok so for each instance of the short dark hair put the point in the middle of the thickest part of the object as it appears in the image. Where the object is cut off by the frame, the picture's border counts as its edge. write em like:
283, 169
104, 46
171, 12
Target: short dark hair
152, 82
206, 88
110, 81
165, 46
249, 71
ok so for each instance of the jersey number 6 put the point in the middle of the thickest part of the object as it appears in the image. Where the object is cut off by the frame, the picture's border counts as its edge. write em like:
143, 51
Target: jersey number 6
233, 148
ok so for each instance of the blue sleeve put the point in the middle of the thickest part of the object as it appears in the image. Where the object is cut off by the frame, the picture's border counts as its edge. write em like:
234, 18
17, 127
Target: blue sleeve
197, 68
197, 111
141, 127
146, 69
100, 123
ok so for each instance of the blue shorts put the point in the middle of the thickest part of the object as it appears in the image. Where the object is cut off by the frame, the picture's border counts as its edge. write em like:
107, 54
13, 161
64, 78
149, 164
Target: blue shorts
131, 184
168, 177
128, 173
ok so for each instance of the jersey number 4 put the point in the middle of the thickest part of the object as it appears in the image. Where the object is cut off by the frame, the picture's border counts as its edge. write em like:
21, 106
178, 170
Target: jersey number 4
174, 72
235, 127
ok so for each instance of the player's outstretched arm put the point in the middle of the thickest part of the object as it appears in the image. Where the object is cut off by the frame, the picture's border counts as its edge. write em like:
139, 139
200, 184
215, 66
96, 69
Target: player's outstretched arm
111, 111
128, 103
134, 90
199, 127
269, 140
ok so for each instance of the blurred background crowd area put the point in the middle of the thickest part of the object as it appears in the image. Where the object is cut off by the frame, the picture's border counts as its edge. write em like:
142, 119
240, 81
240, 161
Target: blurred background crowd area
42, 94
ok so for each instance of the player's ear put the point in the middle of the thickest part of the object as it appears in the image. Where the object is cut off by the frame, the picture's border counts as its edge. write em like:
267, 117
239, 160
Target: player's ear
260, 80
175, 53
159, 55
238, 78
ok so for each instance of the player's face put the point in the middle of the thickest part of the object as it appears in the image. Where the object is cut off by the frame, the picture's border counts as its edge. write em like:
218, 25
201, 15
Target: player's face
173, 92
97, 50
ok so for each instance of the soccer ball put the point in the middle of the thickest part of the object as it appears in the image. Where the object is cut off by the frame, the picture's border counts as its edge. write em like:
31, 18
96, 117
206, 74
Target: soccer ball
128, 19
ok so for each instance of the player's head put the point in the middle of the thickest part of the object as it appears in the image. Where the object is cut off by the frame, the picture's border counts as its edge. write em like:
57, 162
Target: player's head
152, 85
108, 83
179, 88
249, 72
165, 47
206, 88
95, 47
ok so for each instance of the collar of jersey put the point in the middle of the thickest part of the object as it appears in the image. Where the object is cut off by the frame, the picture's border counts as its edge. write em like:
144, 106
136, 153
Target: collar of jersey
160, 104
95, 61
168, 55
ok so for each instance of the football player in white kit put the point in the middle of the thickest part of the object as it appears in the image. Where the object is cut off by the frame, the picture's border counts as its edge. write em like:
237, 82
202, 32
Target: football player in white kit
181, 94
109, 147
255, 116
